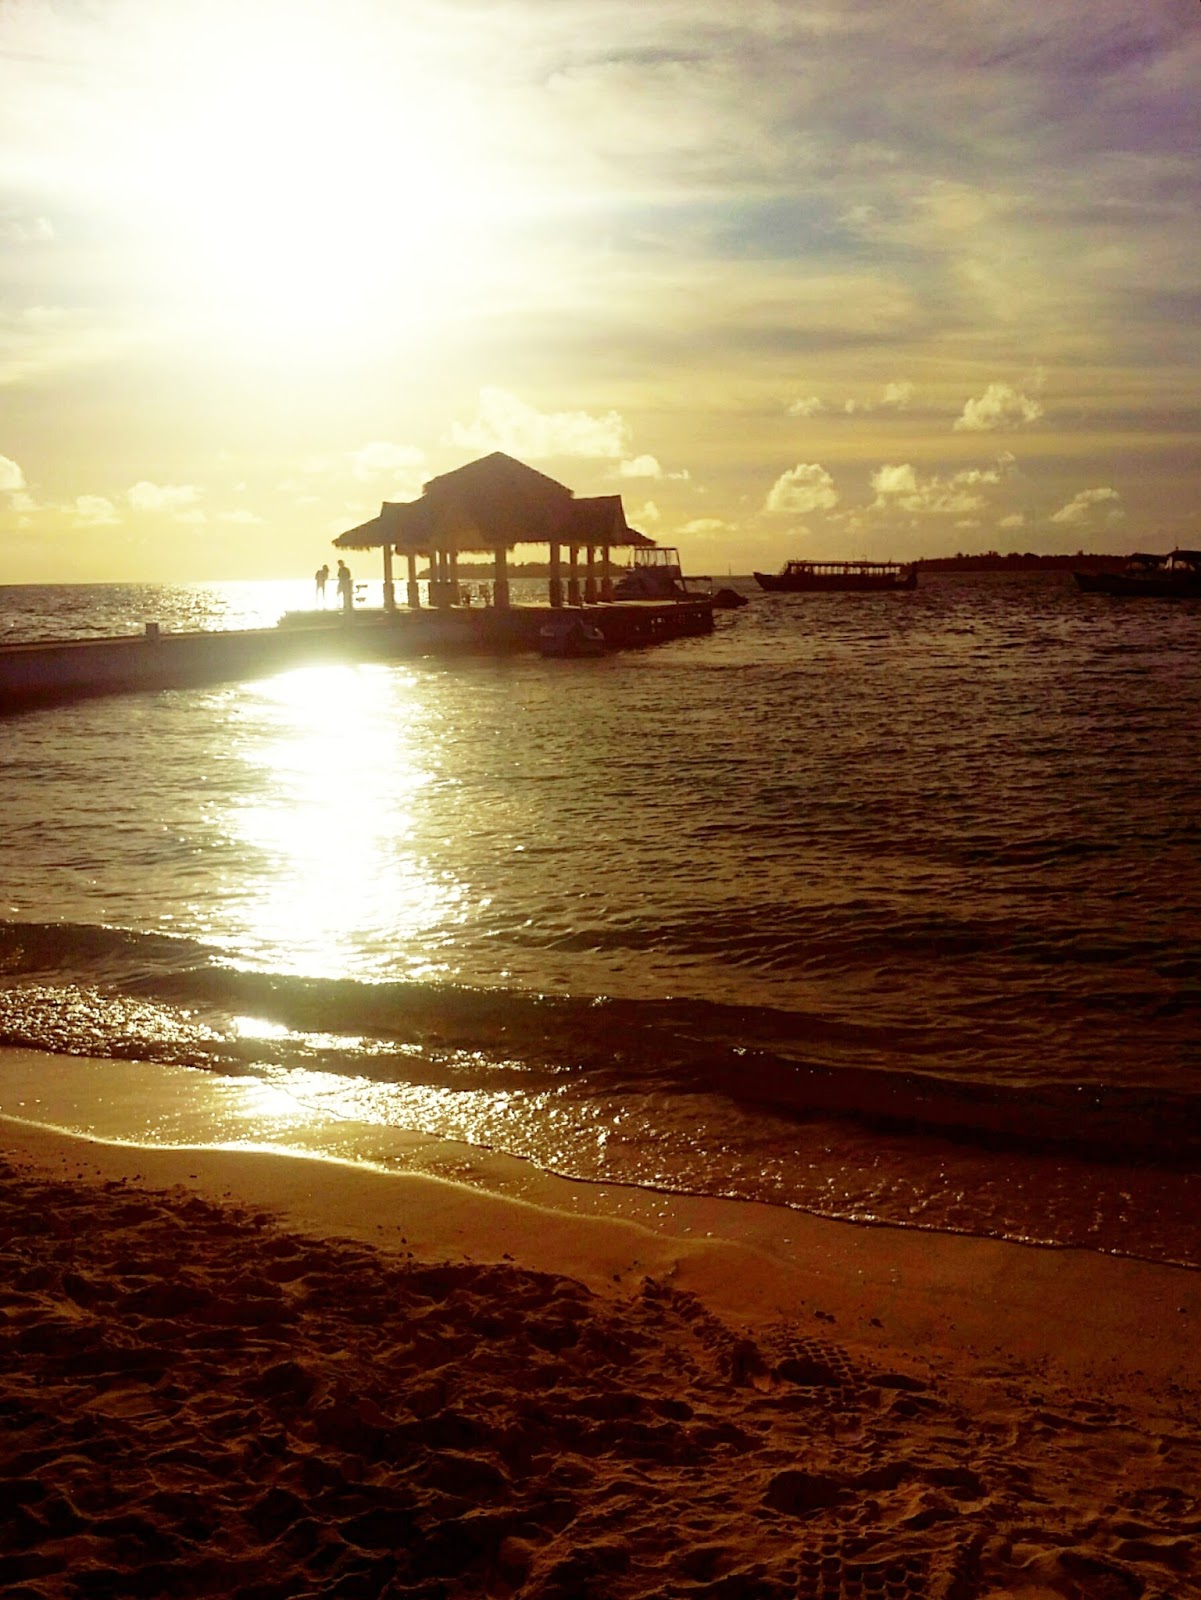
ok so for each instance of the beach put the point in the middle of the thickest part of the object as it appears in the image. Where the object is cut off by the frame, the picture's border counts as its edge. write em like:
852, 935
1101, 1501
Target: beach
242, 1373
721, 1122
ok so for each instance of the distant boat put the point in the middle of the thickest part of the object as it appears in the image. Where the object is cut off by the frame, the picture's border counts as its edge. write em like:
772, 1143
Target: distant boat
569, 634
656, 575
1176, 575
801, 577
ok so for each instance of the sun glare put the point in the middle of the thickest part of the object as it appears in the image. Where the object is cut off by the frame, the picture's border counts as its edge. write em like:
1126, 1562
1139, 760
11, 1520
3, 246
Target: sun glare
292, 181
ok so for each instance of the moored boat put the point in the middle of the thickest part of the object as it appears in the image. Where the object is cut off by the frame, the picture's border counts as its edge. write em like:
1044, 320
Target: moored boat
570, 634
799, 577
656, 574
1172, 576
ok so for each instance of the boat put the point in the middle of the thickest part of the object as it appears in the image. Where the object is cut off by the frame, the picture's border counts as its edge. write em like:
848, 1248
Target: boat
568, 634
805, 577
656, 574
1176, 575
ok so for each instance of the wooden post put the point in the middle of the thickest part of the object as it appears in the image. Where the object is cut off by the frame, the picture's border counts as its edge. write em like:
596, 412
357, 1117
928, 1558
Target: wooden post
452, 577
606, 588
556, 576
389, 589
500, 587
590, 576
414, 589
573, 574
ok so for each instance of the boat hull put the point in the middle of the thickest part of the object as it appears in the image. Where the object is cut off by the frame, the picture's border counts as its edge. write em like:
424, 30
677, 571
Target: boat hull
1181, 586
824, 583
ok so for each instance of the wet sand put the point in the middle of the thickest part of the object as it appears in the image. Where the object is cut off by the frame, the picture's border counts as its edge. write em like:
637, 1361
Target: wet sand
245, 1374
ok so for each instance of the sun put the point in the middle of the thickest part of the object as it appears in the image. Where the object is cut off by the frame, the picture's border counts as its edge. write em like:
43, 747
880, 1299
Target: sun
292, 180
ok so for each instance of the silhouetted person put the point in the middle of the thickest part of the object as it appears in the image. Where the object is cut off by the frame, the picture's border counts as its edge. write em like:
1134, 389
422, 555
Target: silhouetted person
319, 578
345, 586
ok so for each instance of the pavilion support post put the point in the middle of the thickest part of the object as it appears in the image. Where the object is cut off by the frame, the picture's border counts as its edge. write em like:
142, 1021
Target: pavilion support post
413, 587
590, 575
573, 574
452, 577
440, 569
555, 592
606, 586
389, 587
500, 585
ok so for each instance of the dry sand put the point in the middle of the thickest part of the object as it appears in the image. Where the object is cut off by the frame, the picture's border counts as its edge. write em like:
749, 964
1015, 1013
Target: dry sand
244, 1375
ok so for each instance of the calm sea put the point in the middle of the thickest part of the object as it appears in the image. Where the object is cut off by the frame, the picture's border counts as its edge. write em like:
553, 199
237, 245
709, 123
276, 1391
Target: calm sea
882, 907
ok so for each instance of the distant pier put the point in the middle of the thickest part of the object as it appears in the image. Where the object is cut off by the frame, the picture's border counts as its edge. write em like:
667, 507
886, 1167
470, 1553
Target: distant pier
53, 672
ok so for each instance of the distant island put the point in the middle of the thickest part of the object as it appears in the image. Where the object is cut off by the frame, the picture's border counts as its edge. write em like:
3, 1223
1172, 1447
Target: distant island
1022, 561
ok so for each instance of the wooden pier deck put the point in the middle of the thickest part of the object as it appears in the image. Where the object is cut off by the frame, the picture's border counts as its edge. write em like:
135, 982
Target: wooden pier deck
49, 672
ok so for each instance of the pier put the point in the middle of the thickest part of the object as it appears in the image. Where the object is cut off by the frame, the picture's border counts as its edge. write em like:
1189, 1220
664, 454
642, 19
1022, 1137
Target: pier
487, 507
58, 671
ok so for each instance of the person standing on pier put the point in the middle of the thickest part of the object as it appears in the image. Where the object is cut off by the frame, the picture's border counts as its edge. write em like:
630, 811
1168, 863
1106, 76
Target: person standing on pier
345, 586
320, 577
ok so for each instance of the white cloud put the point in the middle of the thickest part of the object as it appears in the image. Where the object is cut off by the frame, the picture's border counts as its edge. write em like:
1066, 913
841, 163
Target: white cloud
94, 511
803, 488
146, 496
509, 424
894, 480
196, 518
11, 476
26, 230
900, 488
1015, 520
641, 467
242, 517
705, 525
1081, 508
381, 459
1000, 406
897, 394
648, 513
807, 406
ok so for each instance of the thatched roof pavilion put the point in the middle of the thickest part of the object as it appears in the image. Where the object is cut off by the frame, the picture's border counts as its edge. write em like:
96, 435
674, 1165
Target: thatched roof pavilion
488, 507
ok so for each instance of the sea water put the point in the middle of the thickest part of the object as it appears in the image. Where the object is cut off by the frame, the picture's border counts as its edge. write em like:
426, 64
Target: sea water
883, 907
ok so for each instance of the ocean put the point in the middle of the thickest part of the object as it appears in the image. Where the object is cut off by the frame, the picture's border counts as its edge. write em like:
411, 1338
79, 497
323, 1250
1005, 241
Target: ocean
881, 907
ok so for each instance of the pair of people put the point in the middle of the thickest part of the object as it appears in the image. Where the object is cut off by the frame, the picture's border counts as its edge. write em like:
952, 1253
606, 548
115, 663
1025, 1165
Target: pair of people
345, 584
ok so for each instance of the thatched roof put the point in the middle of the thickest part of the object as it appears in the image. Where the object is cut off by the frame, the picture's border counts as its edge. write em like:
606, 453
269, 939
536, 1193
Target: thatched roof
488, 503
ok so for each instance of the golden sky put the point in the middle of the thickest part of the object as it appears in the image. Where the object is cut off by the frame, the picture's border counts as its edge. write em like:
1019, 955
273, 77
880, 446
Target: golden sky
839, 278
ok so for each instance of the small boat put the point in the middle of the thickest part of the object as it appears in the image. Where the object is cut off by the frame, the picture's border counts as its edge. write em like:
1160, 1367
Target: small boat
570, 634
656, 575
805, 577
1176, 575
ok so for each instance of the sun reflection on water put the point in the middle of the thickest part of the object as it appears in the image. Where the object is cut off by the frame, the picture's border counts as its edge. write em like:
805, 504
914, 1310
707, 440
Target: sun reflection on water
340, 762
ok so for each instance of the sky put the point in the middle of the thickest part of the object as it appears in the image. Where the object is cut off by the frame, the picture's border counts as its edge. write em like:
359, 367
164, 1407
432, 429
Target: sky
828, 278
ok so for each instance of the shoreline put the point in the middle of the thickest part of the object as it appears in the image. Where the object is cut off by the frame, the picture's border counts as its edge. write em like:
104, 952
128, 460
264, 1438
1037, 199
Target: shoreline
240, 1372
977, 1299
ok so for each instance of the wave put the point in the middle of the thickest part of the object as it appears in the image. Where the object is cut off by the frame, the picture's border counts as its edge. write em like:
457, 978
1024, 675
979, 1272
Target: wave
109, 992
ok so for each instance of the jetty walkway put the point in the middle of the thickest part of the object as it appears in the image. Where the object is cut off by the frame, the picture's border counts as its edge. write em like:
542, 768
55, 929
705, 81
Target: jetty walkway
49, 672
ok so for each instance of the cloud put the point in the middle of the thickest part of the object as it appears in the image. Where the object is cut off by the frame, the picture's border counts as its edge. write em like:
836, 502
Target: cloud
803, 488
1000, 406
648, 513
807, 406
900, 488
1016, 519
705, 525
897, 395
381, 459
11, 477
641, 467
146, 496
509, 424
94, 511
247, 518
1088, 501
25, 230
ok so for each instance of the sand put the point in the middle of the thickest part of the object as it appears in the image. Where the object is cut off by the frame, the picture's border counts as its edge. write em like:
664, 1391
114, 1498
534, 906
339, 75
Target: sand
228, 1373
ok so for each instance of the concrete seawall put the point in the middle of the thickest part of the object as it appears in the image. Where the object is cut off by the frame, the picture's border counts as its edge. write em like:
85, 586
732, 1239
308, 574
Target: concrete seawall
50, 672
